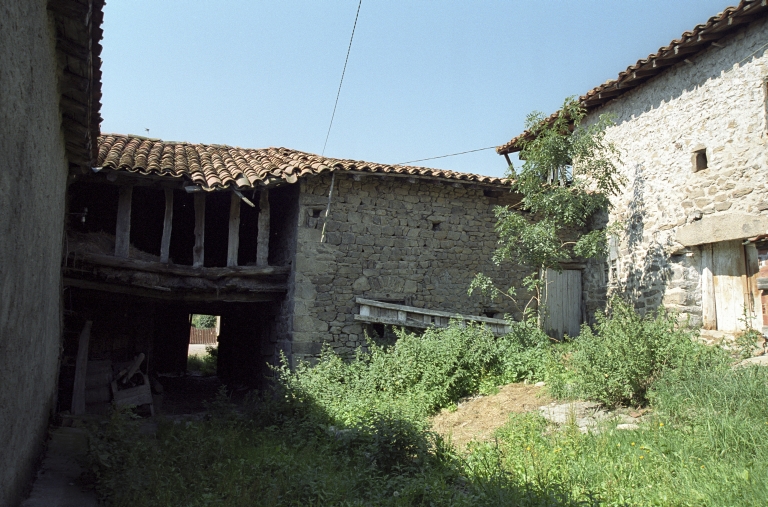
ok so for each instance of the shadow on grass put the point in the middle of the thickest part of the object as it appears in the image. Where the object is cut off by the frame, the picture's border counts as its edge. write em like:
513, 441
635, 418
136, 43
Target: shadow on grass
274, 452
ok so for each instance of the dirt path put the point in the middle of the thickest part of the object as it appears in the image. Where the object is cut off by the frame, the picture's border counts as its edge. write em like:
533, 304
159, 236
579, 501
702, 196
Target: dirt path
477, 418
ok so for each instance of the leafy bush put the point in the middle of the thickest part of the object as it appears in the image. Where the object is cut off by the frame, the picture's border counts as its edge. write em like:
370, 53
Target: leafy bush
412, 378
203, 321
624, 355
205, 364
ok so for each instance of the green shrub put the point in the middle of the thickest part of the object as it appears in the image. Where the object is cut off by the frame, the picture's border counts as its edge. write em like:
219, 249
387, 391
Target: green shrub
412, 378
205, 364
620, 359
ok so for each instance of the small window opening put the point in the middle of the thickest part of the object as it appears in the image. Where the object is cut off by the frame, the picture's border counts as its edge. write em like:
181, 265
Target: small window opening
436, 226
315, 217
700, 160
493, 313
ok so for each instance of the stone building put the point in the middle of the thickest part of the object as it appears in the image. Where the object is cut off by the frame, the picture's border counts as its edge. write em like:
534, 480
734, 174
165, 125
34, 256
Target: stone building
49, 121
691, 127
161, 230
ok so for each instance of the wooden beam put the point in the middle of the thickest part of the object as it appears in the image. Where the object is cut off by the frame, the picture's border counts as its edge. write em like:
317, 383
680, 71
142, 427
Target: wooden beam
81, 370
123, 228
262, 237
198, 253
234, 230
275, 292
178, 270
165, 243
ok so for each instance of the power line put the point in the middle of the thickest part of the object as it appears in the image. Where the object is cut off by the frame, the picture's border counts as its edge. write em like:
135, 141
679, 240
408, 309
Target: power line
444, 156
342, 77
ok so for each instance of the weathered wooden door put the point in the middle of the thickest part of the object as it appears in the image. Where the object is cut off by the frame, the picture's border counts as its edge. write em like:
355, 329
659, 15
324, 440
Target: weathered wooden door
726, 285
562, 300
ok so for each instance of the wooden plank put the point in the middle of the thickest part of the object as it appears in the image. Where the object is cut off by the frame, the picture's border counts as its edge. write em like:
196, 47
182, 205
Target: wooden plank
753, 293
262, 235
123, 228
198, 252
81, 368
423, 311
165, 243
708, 308
179, 270
234, 230
496, 329
728, 269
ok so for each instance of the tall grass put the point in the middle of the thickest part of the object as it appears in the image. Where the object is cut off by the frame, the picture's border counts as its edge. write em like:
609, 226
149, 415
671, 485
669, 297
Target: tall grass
355, 432
706, 445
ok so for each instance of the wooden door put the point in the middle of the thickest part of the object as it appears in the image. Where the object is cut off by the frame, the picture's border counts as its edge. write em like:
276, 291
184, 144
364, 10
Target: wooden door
562, 303
729, 286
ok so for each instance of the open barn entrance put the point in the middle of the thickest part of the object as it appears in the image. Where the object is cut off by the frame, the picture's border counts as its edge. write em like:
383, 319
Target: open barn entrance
154, 333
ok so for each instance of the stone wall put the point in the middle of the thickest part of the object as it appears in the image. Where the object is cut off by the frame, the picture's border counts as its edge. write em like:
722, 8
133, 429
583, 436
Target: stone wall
715, 104
417, 242
33, 172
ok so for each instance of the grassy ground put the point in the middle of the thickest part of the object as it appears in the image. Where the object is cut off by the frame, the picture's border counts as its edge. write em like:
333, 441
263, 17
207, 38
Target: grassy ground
356, 432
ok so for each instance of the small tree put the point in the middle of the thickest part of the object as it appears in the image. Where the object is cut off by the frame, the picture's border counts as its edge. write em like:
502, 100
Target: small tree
201, 321
568, 175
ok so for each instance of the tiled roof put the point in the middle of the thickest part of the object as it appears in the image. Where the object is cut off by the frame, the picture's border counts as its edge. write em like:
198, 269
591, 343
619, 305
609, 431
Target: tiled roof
216, 165
688, 45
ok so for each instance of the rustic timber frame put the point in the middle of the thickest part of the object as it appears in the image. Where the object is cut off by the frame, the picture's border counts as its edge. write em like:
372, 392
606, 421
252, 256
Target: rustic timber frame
161, 278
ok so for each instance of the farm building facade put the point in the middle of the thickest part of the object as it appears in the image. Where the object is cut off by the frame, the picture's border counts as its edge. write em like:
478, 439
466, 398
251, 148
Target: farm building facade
691, 126
161, 230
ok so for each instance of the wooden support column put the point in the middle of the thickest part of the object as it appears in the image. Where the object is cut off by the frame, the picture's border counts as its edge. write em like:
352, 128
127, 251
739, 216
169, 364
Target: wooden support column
123, 228
165, 243
198, 253
262, 238
234, 230
81, 370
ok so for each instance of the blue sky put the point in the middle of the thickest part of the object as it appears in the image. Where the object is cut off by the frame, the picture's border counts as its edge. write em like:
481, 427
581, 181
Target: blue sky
423, 79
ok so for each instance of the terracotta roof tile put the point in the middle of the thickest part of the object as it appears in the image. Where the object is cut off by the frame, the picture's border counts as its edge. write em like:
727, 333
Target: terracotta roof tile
217, 166
689, 44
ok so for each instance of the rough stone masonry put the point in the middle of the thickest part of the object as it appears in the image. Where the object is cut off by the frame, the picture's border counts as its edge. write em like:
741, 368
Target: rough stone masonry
413, 241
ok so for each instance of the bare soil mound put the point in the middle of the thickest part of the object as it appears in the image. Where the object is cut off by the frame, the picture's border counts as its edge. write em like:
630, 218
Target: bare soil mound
477, 418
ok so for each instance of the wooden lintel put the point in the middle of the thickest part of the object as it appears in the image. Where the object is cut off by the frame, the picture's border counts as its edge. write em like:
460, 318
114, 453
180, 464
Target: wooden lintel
178, 270
234, 230
198, 252
241, 297
165, 243
123, 227
262, 235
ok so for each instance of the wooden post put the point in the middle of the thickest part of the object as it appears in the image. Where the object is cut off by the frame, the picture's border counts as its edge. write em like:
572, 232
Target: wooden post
165, 243
81, 370
234, 231
198, 253
262, 238
123, 228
